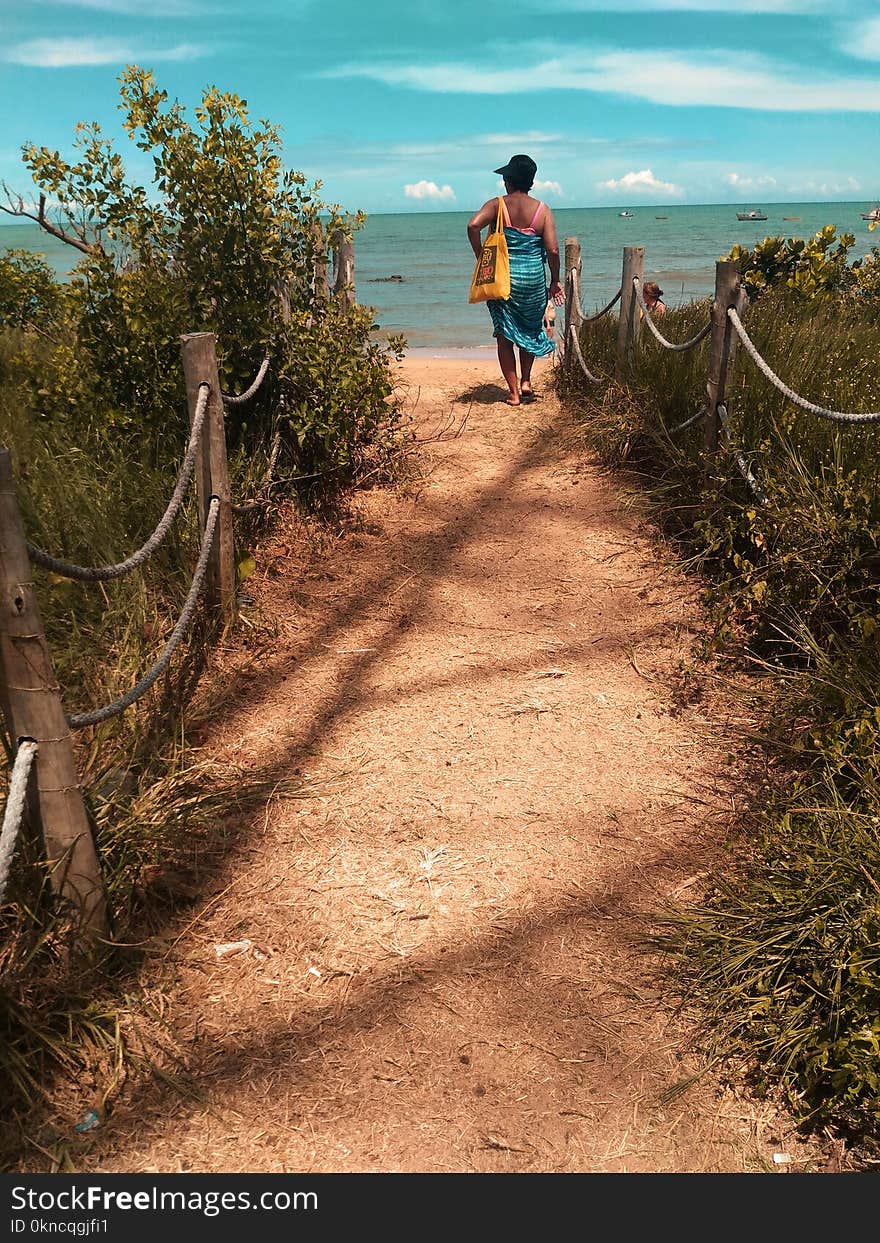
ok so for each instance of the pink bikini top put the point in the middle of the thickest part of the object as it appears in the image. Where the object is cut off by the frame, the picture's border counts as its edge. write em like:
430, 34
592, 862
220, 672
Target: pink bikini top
531, 229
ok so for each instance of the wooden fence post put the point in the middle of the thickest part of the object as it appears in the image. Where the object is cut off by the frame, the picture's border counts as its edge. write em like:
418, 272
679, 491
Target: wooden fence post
629, 324
33, 709
212, 471
573, 267
727, 294
343, 270
282, 292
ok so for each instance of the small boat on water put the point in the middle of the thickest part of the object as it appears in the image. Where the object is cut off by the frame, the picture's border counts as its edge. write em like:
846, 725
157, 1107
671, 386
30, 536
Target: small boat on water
750, 215
627, 215
791, 217
873, 215
661, 217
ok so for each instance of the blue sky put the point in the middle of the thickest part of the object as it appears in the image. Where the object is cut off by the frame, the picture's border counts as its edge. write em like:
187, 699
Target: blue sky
402, 106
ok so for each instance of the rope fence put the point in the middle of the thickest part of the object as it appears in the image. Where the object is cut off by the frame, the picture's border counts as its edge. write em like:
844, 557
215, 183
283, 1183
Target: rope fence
576, 302
725, 330
15, 804
33, 704
833, 416
667, 345
246, 507
575, 340
695, 418
740, 459
236, 400
31, 698
102, 573
175, 639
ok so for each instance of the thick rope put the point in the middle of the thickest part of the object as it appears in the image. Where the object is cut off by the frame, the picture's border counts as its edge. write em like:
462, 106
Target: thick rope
834, 416
12, 816
695, 418
235, 400
183, 624
100, 573
576, 302
579, 356
679, 347
245, 507
744, 469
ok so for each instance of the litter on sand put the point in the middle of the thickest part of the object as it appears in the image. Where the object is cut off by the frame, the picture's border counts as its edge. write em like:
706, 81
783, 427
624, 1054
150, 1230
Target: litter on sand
89, 1121
232, 947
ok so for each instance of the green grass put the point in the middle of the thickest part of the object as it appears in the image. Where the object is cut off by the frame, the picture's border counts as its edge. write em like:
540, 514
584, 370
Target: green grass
164, 818
784, 953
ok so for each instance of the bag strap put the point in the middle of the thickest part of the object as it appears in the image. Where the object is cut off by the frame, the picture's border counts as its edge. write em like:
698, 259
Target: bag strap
502, 218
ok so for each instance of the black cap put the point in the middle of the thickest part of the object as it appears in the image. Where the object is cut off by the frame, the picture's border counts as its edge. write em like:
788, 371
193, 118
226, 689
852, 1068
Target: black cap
518, 167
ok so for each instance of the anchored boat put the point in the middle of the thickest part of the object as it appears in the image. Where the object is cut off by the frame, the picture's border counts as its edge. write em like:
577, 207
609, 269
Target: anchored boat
627, 215
750, 215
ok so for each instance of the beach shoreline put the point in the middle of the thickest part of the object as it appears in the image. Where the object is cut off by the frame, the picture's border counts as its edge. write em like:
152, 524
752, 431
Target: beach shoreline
477, 353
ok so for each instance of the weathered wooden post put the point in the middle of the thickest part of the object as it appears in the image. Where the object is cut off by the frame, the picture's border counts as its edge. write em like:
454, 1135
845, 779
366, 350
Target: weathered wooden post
573, 265
727, 294
282, 292
629, 325
343, 270
212, 471
33, 709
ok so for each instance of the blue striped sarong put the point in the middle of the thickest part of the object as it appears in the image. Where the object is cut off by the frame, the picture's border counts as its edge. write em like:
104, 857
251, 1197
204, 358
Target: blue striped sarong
521, 317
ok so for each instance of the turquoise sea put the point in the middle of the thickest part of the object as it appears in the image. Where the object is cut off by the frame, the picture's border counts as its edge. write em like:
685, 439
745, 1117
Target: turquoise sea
429, 250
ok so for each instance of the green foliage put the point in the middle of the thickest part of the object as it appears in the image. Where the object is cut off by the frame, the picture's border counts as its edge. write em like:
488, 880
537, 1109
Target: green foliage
783, 953
93, 407
341, 409
30, 297
784, 956
813, 269
209, 247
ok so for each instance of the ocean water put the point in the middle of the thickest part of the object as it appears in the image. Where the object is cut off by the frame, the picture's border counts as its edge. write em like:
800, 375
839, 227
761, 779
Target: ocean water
430, 251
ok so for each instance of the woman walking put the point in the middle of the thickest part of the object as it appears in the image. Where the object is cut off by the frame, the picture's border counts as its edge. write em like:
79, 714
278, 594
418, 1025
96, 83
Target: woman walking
531, 239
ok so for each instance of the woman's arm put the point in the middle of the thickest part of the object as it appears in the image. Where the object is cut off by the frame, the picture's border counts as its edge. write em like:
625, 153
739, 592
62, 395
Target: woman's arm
478, 221
551, 246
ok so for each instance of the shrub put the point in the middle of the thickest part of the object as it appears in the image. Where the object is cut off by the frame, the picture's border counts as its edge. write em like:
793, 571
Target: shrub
782, 954
92, 404
811, 270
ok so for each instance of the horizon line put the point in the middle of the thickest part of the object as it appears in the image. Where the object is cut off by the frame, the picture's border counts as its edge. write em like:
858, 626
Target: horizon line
742, 204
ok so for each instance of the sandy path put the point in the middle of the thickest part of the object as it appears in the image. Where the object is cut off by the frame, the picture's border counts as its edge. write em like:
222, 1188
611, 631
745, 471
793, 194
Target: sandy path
451, 974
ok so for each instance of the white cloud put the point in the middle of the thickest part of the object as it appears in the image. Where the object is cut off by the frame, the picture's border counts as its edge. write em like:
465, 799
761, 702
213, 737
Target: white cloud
532, 137
712, 78
157, 8
643, 182
470, 143
548, 187
65, 53
849, 185
429, 191
750, 183
863, 40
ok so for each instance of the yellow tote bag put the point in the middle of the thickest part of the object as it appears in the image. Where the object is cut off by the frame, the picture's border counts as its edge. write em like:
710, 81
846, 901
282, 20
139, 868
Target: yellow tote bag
492, 270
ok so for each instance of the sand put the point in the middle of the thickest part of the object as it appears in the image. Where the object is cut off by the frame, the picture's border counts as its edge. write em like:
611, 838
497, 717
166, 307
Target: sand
449, 967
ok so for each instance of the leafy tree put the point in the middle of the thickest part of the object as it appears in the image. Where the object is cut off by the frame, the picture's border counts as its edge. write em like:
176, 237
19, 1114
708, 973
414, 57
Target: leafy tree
30, 297
224, 240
